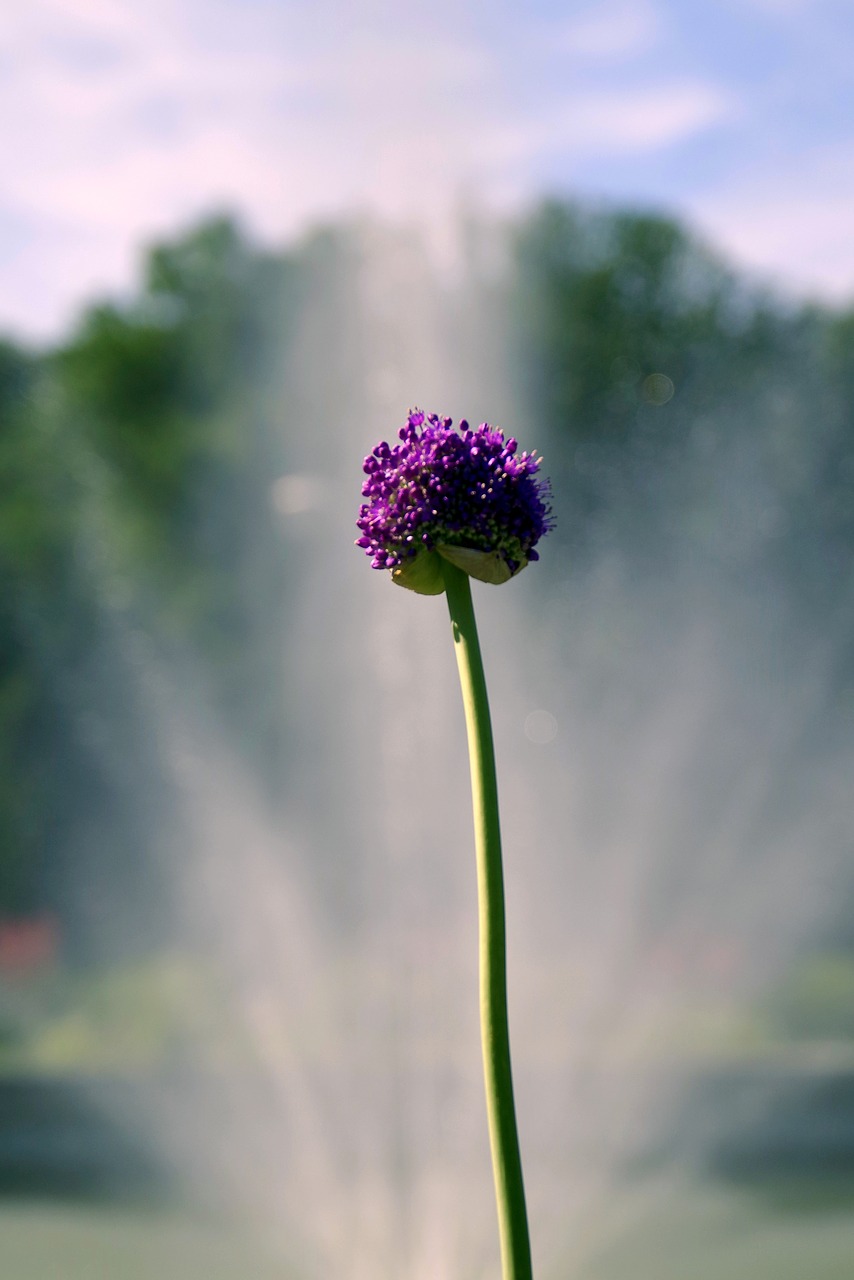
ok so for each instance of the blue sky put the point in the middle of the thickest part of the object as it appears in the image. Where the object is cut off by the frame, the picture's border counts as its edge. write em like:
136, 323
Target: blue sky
124, 121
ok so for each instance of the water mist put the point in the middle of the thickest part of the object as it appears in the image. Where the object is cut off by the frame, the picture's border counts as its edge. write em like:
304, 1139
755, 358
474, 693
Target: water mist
672, 835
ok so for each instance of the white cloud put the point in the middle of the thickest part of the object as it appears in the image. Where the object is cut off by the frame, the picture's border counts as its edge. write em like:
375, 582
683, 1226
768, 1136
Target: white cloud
101, 174
786, 8
617, 123
645, 119
122, 122
793, 225
611, 32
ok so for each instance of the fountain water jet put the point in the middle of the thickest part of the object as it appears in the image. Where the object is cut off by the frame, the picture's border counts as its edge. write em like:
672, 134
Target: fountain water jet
661, 849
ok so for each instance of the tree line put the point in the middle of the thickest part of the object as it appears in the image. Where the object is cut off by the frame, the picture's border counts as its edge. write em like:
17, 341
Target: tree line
136, 457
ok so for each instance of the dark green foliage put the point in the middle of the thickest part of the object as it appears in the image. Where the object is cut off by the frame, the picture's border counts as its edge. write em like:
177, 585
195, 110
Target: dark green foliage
135, 468
136, 465
663, 384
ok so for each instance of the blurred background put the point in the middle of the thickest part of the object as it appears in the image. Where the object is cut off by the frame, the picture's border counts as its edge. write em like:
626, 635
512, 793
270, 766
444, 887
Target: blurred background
238, 1006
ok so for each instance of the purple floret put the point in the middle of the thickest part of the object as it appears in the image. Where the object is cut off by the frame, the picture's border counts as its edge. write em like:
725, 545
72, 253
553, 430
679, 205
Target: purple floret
443, 486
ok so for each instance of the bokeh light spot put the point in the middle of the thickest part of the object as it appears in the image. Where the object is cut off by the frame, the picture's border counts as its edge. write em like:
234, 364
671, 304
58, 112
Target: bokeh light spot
658, 388
540, 727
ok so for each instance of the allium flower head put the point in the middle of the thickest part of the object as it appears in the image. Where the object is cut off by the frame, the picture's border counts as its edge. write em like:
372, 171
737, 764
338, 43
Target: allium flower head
465, 494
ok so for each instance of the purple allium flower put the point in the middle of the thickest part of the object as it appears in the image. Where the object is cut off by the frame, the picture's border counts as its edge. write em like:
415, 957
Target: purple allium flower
467, 495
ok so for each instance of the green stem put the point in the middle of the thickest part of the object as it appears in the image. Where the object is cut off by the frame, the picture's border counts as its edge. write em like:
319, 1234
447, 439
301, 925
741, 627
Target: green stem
503, 1137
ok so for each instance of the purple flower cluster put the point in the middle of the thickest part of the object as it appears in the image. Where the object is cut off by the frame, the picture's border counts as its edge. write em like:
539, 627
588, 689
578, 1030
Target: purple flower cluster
446, 488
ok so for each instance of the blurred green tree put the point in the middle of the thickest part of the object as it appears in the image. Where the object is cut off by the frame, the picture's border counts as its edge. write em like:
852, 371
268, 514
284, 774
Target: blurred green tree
685, 413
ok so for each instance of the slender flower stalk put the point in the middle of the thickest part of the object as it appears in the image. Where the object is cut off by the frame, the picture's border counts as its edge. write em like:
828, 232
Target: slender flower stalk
494, 1029
442, 507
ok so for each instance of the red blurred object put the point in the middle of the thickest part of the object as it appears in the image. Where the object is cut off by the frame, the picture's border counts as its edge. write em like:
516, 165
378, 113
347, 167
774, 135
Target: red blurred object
28, 944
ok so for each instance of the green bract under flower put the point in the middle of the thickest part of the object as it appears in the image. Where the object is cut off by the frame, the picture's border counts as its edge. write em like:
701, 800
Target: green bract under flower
462, 494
